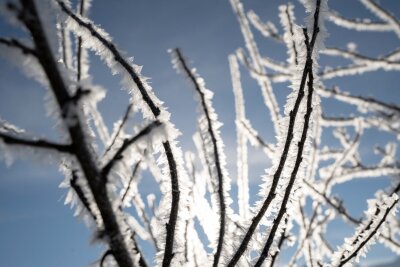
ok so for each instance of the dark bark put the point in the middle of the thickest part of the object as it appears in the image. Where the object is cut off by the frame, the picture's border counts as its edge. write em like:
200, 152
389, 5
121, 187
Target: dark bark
220, 177
80, 145
38, 143
156, 111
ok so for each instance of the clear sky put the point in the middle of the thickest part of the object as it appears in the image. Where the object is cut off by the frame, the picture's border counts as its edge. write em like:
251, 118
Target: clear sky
36, 229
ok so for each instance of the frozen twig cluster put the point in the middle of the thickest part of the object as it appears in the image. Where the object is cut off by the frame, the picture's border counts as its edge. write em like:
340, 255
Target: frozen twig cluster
103, 180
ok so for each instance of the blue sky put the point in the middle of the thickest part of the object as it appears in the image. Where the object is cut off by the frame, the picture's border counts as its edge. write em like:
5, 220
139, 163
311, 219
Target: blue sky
38, 230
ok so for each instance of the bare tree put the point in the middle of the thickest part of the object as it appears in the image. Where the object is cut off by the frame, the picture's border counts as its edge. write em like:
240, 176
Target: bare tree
102, 168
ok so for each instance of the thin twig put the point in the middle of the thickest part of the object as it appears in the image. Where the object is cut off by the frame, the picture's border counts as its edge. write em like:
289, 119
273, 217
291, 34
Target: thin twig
79, 54
81, 195
372, 234
38, 143
127, 143
19, 45
120, 127
220, 177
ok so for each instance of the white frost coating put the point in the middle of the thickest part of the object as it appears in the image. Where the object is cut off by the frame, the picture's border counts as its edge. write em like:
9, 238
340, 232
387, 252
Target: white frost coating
85, 5
242, 157
366, 172
357, 246
287, 19
389, 154
137, 227
27, 63
47, 16
103, 50
344, 162
360, 63
65, 53
214, 151
194, 250
266, 29
206, 173
363, 104
6, 127
255, 140
89, 102
165, 206
200, 206
276, 66
349, 54
196, 254
11, 151
352, 47
383, 15
350, 154
358, 24
299, 124
72, 198
83, 59
310, 6
265, 85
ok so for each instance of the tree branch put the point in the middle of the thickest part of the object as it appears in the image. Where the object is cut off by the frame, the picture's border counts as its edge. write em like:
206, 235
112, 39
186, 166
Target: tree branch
38, 143
14, 43
127, 143
211, 131
156, 111
120, 127
299, 158
271, 195
372, 234
82, 150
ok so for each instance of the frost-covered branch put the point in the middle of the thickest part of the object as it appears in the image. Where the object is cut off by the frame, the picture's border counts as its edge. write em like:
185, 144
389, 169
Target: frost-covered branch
29, 16
14, 43
242, 151
356, 246
120, 127
266, 88
309, 72
266, 29
103, 169
218, 159
126, 144
383, 15
151, 107
81, 194
358, 24
365, 103
81, 57
36, 143
277, 175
